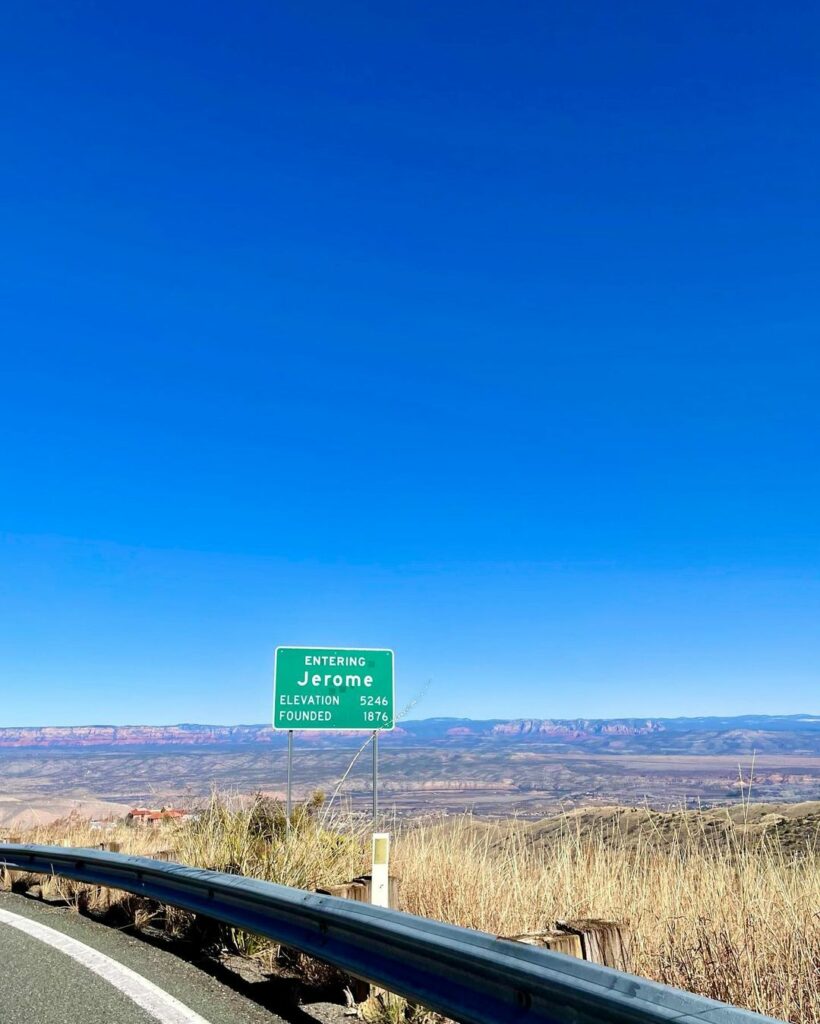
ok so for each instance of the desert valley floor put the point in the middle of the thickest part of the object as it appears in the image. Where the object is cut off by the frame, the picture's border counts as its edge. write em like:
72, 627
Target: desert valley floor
490, 779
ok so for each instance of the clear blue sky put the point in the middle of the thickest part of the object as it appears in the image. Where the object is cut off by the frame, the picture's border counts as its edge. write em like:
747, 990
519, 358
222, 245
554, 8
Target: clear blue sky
487, 332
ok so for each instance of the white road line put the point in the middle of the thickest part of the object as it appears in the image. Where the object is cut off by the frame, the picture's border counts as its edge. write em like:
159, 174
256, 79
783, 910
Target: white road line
165, 1008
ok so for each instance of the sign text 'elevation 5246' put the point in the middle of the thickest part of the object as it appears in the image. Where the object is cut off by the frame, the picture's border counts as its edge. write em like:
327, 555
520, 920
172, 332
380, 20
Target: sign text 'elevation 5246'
332, 688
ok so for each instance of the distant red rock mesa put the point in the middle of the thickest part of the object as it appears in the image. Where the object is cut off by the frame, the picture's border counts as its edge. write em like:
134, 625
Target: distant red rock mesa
577, 729
133, 735
155, 735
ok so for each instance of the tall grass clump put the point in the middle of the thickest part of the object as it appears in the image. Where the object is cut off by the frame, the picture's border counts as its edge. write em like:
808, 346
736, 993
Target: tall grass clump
251, 838
230, 833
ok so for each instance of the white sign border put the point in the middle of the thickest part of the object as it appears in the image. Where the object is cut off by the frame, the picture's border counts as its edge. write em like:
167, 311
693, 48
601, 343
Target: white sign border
316, 647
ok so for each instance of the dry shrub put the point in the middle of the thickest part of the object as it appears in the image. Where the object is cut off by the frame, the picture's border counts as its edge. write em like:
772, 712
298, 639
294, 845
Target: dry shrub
232, 834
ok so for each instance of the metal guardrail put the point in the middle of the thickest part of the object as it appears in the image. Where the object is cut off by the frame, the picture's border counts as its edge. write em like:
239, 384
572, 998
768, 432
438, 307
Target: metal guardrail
466, 975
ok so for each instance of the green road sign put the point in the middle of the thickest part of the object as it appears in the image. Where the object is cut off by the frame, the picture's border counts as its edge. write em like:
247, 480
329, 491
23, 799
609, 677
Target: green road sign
333, 688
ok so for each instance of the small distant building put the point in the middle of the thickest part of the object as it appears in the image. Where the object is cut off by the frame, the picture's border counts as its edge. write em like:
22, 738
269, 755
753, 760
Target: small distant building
151, 817
102, 824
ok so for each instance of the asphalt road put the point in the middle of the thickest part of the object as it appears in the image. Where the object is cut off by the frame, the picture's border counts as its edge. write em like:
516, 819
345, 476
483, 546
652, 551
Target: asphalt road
59, 968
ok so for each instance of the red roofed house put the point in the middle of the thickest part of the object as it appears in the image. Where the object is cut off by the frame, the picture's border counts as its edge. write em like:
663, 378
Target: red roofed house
146, 817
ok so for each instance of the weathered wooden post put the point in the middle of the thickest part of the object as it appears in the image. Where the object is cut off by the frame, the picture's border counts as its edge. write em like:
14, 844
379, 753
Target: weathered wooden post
599, 942
602, 942
362, 890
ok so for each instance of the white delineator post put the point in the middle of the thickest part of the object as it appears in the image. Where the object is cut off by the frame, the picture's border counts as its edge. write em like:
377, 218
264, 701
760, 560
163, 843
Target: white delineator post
380, 872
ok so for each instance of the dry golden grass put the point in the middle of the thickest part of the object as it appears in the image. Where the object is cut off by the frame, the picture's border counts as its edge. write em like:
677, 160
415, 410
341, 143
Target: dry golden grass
732, 919
729, 917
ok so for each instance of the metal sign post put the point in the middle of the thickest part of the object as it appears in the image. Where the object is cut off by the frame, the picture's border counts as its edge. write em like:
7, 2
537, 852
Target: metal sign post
375, 777
290, 778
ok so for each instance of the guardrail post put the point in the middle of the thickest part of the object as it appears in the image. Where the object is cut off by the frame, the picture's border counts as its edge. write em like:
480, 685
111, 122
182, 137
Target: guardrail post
599, 942
380, 871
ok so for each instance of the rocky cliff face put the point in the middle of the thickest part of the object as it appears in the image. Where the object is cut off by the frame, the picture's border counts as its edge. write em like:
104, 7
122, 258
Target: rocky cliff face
133, 735
441, 730
578, 728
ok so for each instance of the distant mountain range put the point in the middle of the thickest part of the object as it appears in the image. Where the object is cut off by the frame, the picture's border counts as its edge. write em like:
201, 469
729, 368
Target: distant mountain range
798, 733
